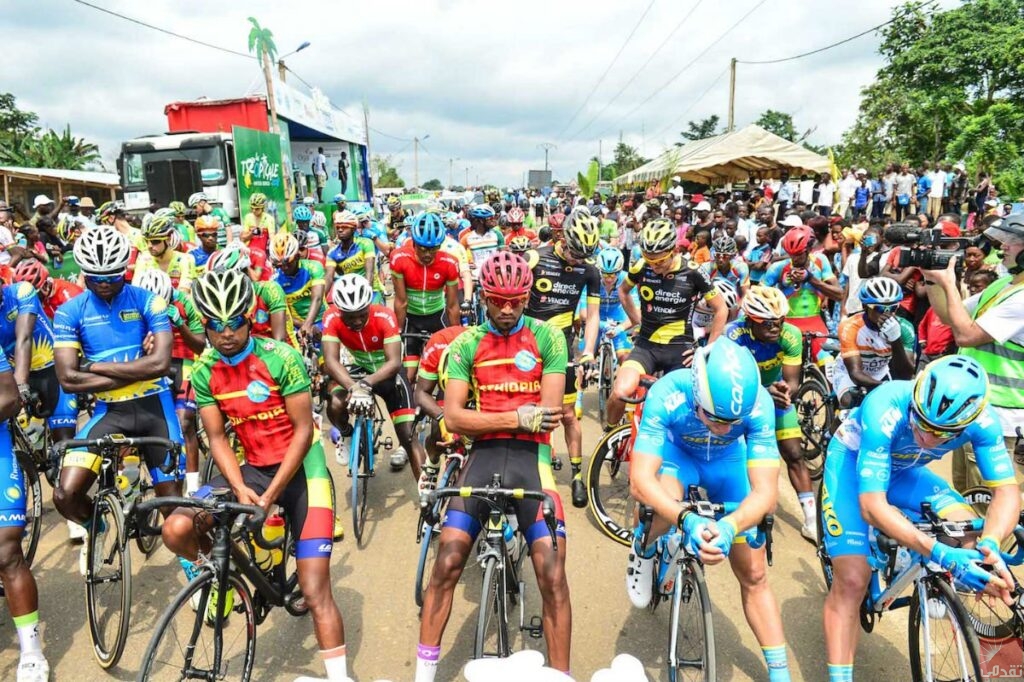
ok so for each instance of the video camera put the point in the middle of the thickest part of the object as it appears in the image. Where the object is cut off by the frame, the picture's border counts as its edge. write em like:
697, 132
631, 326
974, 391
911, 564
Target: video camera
929, 257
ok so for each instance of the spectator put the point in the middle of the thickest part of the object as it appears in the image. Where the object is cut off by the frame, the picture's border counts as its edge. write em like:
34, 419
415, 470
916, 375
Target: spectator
861, 197
856, 243
980, 191
957, 190
700, 253
847, 186
785, 194
6, 235
879, 196
759, 255
677, 189
34, 247
924, 187
42, 206
936, 193
806, 190
320, 173
826, 195
904, 193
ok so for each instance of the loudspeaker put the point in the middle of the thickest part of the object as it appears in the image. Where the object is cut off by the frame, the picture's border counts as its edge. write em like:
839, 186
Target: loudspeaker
172, 180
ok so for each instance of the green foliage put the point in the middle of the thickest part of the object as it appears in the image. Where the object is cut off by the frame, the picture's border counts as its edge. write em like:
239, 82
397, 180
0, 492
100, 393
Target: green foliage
779, 123
434, 185
627, 158
22, 143
698, 130
386, 172
587, 183
261, 41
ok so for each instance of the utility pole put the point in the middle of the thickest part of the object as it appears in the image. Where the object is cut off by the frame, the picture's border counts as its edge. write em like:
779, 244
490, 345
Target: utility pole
732, 95
415, 162
546, 146
451, 167
467, 177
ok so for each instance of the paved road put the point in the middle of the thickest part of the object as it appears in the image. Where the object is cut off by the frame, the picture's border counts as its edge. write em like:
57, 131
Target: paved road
373, 587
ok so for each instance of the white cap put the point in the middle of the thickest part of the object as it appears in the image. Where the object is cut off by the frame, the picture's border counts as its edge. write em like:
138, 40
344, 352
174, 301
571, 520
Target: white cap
960, 166
792, 221
861, 171
703, 206
676, 178
41, 200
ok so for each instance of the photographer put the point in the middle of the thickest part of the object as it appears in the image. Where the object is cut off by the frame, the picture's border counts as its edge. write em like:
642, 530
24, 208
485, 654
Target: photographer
990, 328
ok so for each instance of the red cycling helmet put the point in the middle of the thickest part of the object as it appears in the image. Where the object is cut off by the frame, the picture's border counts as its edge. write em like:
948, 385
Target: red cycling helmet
32, 271
516, 216
556, 221
797, 240
506, 274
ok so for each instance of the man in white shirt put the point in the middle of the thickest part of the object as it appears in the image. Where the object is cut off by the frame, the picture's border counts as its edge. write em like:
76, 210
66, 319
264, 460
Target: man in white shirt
806, 190
826, 194
677, 189
320, 172
6, 235
847, 186
937, 192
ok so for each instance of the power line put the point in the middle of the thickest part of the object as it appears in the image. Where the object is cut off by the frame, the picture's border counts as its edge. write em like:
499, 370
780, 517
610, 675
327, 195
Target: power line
821, 49
393, 137
632, 79
692, 104
603, 75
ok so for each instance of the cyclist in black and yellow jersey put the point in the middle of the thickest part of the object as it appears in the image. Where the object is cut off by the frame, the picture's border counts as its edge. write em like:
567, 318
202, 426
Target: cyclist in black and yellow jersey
669, 288
561, 271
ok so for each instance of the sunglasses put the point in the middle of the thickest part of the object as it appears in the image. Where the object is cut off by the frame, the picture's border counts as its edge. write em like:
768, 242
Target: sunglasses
884, 309
718, 420
233, 323
653, 259
500, 302
158, 240
103, 279
767, 322
924, 426
427, 249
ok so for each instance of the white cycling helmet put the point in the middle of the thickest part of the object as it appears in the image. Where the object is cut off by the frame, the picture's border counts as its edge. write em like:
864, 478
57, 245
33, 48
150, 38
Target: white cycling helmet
351, 293
102, 251
194, 199
880, 291
157, 281
728, 291
765, 303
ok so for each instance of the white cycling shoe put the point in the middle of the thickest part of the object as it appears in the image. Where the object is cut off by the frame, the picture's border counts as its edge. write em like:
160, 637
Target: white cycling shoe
639, 579
399, 458
810, 531
33, 668
76, 533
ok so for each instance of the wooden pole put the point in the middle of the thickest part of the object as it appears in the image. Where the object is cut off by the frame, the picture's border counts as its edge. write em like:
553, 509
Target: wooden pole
732, 94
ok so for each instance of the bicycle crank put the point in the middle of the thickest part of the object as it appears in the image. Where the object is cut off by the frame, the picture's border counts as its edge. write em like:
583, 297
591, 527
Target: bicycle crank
535, 629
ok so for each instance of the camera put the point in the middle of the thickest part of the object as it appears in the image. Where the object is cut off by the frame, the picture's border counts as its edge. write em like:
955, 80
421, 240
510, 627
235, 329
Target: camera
926, 257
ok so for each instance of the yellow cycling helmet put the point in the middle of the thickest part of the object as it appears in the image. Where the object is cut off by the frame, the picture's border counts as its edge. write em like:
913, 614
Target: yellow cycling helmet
765, 303
658, 236
283, 247
582, 237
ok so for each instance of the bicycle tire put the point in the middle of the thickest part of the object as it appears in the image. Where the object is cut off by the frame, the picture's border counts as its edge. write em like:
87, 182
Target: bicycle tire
611, 506
605, 375
107, 507
147, 544
691, 589
429, 541
154, 660
492, 612
824, 560
942, 600
33, 505
815, 414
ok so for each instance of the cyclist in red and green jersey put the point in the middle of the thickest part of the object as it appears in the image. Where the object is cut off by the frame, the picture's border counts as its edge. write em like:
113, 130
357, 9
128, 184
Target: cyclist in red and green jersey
53, 293
370, 333
302, 281
428, 380
426, 287
260, 386
353, 254
271, 318
514, 366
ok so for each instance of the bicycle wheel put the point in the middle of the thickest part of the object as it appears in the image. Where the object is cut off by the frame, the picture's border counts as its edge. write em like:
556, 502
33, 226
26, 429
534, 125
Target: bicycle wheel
691, 648
492, 618
359, 467
108, 580
814, 413
183, 644
147, 544
33, 506
608, 486
605, 375
823, 557
429, 542
942, 642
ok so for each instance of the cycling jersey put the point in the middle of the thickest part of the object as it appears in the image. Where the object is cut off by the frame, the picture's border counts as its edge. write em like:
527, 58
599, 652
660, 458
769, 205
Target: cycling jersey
186, 232
21, 299
611, 312
521, 232
189, 316
480, 247
558, 287
261, 230
770, 356
858, 339
667, 300
367, 344
874, 451
113, 332
352, 258
738, 272
804, 299
270, 299
298, 289
373, 231
13, 502
200, 256
250, 390
180, 268
61, 292
424, 284
504, 371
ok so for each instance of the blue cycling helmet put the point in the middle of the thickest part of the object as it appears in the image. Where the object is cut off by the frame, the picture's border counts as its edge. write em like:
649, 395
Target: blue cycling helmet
302, 213
481, 211
462, 224
949, 393
363, 213
428, 230
726, 380
338, 198
880, 291
610, 261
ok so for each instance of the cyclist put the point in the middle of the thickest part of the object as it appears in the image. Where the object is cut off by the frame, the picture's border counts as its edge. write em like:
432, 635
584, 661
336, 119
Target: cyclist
426, 287
668, 288
310, 246
432, 376
270, 318
302, 215
396, 215
161, 253
370, 333
703, 316
561, 273
514, 366
728, 265
200, 203
258, 226
19, 583
352, 254
520, 244
302, 281
53, 293
711, 425
615, 323
881, 452
778, 349
206, 233
261, 387
515, 219
114, 341
481, 239
182, 226
806, 279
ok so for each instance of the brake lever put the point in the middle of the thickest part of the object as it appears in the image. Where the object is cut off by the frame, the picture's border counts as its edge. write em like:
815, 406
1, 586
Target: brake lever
548, 509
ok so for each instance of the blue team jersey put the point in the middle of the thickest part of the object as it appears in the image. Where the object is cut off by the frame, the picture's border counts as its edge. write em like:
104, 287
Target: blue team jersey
879, 435
200, 256
374, 231
21, 299
113, 332
610, 305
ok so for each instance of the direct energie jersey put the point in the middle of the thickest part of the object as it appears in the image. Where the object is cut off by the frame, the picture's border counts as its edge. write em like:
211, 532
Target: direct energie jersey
558, 287
367, 344
424, 284
21, 299
298, 289
770, 357
666, 301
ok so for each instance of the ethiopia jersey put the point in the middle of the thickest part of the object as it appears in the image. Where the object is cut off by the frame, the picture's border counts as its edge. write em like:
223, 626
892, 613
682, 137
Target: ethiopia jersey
367, 344
667, 300
298, 289
558, 287
270, 299
352, 259
189, 317
21, 299
504, 370
250, 392
770, 356
804, 299
738, 273
113, 332
424, 284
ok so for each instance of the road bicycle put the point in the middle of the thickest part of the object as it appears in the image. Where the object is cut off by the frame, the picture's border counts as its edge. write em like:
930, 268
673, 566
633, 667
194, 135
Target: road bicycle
31, 445
313, 361
367, 430
209, 468
607, 365
679, 579
816, 406
218, 641
500, 552
108, 573
427, 535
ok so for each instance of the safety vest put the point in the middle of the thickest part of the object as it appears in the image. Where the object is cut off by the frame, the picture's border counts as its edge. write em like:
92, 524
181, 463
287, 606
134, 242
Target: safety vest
1004, 362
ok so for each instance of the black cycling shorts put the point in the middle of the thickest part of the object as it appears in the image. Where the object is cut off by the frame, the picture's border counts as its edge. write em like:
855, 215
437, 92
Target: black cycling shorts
397, 396
416, 325
656, 358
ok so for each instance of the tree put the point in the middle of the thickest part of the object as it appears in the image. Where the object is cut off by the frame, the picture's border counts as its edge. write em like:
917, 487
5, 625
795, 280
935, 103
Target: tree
261, 43
386, 172
433, 185
627, 158
22, 143
707, 127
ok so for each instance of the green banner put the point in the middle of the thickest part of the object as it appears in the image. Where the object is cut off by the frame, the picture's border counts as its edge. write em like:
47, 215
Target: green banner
259, 168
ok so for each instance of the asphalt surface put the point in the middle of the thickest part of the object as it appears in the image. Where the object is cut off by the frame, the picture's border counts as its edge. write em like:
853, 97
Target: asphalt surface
373, 586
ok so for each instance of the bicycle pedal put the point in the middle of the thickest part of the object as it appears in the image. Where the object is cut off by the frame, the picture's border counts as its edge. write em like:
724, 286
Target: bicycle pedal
556, 463
535, 629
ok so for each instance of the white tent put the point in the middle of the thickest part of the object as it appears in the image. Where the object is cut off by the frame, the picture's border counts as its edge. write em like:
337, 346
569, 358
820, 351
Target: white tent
730, 157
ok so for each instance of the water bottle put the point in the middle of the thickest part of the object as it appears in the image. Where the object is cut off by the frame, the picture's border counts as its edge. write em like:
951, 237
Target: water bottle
508, 529
902, 560
668, 546
128, 481
273, 529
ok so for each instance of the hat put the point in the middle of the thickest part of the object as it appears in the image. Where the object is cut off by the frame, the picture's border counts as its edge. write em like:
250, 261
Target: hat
1005, 230
41, 200
792, 221
86, 202
703, 206
949, 229
73, 200
861, 171
676, 178
991, 202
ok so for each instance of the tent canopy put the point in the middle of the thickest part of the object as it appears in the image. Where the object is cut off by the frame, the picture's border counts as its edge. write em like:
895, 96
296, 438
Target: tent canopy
730, 157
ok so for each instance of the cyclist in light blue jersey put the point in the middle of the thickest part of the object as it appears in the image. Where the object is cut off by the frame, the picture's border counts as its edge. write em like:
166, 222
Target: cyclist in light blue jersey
615, 323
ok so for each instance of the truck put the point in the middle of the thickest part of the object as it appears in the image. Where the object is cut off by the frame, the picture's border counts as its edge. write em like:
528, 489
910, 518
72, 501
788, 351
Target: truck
146, 176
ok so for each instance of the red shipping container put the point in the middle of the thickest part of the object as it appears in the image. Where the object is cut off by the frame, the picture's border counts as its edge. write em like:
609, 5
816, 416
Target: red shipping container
217, 116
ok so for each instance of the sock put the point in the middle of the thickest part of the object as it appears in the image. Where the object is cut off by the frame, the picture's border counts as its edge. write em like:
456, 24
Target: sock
334, 662
577, 465
426, 662
638, 534
807, 504
28, 633
778, 664
840, 672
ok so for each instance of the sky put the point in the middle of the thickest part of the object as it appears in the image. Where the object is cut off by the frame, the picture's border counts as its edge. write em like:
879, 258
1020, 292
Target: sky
488, 82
